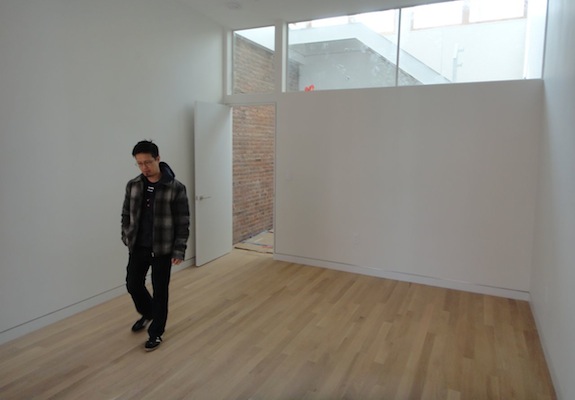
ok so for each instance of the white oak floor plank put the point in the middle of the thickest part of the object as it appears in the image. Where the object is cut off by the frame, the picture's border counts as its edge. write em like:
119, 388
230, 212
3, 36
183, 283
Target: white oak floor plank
247, 327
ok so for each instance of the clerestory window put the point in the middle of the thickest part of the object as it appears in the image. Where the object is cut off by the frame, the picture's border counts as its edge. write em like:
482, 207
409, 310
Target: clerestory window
440, 43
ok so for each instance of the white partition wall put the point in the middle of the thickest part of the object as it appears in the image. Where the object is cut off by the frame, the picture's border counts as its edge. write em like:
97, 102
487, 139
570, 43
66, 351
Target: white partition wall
434, 184
553, 275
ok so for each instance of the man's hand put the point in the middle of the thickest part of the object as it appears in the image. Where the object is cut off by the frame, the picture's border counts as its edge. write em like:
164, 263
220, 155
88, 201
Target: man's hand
176, 261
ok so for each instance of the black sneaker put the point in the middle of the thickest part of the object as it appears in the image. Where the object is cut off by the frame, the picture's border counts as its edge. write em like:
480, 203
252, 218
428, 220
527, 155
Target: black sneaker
153, 343
140, 324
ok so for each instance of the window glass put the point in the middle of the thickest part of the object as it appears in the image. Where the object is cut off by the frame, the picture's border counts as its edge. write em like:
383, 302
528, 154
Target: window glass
491, 10
253, 60
342, 53
441, 14
447, 42
464, 52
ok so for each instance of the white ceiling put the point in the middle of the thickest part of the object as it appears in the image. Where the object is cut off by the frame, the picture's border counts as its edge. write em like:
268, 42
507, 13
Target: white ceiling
241, 14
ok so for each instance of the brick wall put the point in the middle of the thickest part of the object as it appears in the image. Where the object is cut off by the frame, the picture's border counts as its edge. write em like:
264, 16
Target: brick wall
254, 134
253, 67
254, 140
253, 143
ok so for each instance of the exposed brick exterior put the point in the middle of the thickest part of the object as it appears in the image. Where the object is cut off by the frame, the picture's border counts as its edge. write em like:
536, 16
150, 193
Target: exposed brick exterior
253, 67
254, 135
253, 143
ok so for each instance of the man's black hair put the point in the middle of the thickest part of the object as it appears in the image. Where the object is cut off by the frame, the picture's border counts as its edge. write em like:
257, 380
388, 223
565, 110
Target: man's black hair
147, 147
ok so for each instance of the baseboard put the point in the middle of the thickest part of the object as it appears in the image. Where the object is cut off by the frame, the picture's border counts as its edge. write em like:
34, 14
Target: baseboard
57, 315
400, 276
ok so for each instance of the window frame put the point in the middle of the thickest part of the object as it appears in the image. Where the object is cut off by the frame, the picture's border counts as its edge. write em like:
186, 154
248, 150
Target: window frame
281, 55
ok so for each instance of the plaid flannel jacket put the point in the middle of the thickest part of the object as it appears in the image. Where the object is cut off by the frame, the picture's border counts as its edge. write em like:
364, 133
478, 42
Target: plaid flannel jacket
171, 214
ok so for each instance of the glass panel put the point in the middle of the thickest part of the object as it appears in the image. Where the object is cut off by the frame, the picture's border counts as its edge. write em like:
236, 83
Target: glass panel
441, 14
448, 42
342, 53
491, 10
253, 61
462, 52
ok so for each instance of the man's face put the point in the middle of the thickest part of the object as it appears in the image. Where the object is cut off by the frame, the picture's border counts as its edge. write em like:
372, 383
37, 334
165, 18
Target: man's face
149, 165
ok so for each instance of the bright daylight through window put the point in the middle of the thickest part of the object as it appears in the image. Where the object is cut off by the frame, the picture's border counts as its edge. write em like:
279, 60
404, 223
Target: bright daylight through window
440, 43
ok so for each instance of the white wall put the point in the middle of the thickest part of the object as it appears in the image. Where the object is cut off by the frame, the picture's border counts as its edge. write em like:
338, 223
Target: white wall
553, 277
434, 184
80, 83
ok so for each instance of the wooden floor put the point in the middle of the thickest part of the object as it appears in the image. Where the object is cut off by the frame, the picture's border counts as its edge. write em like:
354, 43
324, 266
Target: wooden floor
249, 327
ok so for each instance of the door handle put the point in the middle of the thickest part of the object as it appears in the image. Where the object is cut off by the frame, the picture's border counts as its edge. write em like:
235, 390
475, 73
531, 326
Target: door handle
200, 198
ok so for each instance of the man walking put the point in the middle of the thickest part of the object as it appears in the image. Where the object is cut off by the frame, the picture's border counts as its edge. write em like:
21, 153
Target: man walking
155, 227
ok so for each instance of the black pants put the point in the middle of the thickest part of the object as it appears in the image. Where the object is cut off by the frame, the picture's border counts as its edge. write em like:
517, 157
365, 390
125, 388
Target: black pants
151, 307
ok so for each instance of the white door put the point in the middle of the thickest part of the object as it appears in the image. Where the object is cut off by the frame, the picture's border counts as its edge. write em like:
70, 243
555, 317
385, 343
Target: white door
213, 181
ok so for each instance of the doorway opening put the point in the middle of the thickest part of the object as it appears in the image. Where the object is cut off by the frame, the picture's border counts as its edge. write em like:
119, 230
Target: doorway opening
253, 176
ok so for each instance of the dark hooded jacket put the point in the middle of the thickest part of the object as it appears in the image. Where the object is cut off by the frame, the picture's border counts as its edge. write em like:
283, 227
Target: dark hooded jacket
171, 214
